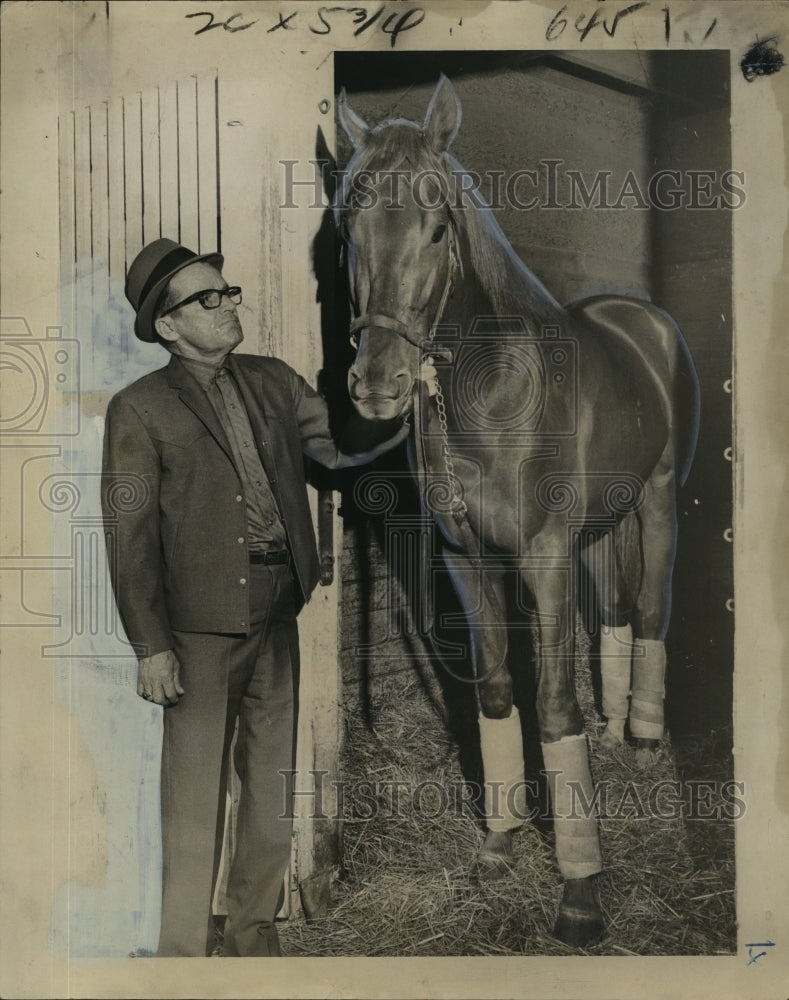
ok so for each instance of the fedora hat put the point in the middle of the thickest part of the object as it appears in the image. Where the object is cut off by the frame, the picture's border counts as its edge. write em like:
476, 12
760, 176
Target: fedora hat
149, 273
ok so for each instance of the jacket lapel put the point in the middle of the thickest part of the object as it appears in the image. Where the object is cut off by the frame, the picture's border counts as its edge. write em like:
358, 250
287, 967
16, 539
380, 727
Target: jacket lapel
191, 393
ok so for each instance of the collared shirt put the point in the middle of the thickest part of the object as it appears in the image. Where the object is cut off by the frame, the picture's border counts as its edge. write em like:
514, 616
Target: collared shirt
265, 529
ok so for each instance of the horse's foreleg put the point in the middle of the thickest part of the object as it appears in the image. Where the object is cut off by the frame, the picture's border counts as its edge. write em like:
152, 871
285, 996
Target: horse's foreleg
501, 740
566, 757
658, 519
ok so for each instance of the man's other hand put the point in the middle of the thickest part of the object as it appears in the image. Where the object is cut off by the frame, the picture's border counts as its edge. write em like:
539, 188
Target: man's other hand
159, 678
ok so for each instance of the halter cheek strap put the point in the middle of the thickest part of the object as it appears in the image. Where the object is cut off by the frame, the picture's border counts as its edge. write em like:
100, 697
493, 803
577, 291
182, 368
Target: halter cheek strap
397, 326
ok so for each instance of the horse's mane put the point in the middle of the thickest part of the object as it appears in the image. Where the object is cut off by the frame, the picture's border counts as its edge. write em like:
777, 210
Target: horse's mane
513, 290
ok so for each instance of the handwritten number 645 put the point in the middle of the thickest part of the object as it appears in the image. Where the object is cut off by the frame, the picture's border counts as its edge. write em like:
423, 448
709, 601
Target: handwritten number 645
583, 24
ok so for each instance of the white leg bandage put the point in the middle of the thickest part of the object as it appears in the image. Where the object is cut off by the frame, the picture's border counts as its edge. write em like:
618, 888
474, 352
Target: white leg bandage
646, 703
616, 648
501, 742
572, 795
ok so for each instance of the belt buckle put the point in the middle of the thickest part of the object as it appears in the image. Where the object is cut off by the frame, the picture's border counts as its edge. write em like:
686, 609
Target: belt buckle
271, 557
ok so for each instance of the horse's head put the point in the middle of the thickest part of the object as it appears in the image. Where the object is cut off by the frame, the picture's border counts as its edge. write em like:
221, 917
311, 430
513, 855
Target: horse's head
393, 211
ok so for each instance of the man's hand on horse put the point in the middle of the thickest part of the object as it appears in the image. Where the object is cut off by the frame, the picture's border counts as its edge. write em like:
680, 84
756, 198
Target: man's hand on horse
159, 678
427, 374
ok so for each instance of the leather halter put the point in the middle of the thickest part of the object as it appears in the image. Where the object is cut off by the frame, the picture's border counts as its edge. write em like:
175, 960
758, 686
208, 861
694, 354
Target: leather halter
397, 326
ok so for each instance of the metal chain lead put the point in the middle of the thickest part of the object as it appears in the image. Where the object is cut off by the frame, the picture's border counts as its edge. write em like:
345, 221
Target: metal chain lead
458, 505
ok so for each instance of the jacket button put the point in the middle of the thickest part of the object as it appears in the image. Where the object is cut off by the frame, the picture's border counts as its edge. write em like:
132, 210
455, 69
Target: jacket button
241, 541
239, 498
243, 581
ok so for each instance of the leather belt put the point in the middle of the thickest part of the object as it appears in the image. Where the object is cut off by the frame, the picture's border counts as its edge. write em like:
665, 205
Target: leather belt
271, 558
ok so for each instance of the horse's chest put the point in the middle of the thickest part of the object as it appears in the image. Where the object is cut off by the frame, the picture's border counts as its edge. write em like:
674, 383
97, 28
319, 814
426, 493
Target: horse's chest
485, 479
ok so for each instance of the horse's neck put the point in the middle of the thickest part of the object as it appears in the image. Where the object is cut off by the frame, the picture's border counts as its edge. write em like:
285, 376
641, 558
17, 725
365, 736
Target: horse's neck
469, 299
518, 292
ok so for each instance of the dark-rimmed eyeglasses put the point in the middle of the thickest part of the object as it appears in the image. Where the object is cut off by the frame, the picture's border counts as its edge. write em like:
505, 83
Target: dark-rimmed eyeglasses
209, 298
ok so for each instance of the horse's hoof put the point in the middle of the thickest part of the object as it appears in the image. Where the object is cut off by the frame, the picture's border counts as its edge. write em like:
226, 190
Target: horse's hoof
646, 751
578, 930
495, 856
580, 922
614, 733
641, 743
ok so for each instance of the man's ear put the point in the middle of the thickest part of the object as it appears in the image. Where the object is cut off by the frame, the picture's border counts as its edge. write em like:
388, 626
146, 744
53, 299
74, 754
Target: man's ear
165, 329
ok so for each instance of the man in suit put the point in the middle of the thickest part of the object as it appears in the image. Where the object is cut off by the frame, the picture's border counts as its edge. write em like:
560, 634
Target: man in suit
213, 552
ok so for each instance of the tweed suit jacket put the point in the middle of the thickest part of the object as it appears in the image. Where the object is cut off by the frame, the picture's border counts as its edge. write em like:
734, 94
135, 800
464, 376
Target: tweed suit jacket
173, 500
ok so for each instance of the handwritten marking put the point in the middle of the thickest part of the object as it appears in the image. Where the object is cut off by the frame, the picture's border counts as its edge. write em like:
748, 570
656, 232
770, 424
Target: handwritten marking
367, 21
686, 35
283, 22
757, 944
213, 23
584, 25
388, 22
415, 16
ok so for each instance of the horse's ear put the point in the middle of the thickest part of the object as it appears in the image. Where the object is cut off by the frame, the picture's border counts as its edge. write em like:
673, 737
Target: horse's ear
354, 126
442, 120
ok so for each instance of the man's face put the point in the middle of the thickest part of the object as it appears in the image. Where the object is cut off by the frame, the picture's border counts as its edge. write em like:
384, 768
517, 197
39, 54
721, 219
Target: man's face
196, 332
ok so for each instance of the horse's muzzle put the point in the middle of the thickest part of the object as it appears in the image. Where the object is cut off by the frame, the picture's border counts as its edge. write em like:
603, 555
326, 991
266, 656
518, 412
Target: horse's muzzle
378, 393
380, 405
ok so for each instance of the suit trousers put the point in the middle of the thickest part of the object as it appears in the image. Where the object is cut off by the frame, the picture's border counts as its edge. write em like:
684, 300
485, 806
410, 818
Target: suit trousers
254, 679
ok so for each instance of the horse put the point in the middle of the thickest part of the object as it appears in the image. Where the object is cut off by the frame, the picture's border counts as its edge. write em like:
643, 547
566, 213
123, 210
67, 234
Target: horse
538, 430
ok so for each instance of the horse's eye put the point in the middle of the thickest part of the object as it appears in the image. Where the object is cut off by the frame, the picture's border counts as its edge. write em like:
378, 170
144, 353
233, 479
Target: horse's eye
438, 234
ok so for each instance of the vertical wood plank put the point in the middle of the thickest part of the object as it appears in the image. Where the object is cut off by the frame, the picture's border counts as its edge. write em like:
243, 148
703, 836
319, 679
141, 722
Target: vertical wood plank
132, 176
149, 141
169, 142
66, 198
291, 281
82, 187
218, 158
187, 162
206, 161
117, 191
99, 186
